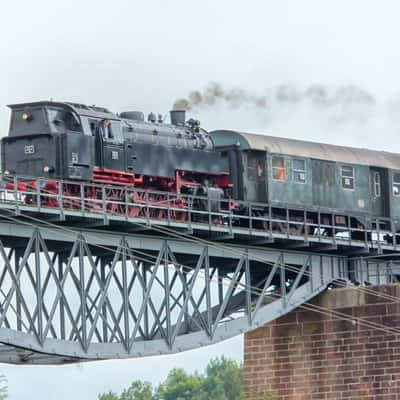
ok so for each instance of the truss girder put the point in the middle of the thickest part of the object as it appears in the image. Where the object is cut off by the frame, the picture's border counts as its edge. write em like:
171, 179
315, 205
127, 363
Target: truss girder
68, 296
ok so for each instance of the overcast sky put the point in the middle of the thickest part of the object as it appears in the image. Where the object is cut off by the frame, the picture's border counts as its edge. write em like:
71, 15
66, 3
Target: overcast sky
127, 54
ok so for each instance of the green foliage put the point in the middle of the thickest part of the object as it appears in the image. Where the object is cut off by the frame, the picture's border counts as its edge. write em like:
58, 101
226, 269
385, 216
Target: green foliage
108, 396
138, 391
181, 386
222, 380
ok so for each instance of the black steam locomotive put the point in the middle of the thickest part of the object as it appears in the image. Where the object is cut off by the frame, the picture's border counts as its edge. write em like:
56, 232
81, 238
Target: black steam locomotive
74, 142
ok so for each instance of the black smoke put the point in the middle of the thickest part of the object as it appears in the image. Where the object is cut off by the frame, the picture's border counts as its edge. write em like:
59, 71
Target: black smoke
285, 94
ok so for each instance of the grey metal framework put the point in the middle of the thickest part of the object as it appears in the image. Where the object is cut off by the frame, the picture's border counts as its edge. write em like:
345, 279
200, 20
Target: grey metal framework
70, 296
86, 289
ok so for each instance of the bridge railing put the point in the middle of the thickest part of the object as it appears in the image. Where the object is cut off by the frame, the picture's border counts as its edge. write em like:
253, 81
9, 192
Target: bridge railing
192, 210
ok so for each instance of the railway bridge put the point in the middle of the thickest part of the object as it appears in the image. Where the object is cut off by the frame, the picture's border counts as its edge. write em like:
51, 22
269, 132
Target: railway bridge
79, 283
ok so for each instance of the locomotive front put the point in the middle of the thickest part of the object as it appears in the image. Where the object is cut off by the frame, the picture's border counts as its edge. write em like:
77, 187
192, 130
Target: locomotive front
40, 135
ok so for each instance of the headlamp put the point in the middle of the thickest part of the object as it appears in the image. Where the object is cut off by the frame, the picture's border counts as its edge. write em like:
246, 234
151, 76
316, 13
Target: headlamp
48, 169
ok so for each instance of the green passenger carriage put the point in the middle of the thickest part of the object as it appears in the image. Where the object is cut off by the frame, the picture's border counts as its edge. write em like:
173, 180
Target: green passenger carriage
353, 186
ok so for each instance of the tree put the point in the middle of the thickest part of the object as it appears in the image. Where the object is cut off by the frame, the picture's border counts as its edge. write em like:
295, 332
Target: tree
107, 396
138, 391
181, 386
223, 379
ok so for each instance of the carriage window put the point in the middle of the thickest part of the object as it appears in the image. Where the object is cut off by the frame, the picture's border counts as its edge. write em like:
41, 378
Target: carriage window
299, 170
347, 177
396, 184
278, 168
377, 184
255, 167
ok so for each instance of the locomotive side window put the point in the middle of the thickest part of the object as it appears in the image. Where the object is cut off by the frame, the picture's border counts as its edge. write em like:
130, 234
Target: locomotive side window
72, 122
377, 184
299, 170
105, 129
109, 130
347, 177
396, 184
116, 131
278, 168
255, 167
93, 125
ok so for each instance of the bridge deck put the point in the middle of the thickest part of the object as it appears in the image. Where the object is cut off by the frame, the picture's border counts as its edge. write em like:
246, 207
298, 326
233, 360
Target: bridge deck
222, 225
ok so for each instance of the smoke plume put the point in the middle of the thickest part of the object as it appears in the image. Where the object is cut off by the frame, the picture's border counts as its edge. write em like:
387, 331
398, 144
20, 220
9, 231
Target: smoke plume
215, 93
346, 114
318, 95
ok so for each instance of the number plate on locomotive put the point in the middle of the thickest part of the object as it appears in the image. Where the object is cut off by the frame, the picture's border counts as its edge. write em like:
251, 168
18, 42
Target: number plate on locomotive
29, 149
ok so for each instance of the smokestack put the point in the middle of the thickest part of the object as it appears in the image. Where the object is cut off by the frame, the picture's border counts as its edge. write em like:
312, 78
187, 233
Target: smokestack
178, 117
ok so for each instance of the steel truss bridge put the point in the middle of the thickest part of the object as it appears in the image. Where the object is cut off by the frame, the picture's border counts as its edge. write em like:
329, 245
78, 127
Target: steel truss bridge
78, 285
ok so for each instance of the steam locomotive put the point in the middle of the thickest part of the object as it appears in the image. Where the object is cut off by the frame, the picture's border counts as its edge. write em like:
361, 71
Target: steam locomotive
318, 184
79, 143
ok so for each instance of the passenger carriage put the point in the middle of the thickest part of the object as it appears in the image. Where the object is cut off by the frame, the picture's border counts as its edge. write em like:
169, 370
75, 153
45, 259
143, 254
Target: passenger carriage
323, 184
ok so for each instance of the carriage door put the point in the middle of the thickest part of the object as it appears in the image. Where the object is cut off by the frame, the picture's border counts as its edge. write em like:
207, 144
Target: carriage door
256, 177
324, 183
379, 191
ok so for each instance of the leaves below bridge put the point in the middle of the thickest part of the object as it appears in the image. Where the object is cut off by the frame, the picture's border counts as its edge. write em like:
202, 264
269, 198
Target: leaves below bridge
222, 380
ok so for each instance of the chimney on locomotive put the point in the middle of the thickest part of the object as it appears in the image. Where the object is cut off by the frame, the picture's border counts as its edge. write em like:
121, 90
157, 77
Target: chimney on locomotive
178, 117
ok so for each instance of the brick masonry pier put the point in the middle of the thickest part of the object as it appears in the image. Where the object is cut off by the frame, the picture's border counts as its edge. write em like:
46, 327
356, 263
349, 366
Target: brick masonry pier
307, 355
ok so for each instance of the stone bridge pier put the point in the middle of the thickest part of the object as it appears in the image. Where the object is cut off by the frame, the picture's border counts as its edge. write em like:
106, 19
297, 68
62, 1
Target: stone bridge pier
307, 355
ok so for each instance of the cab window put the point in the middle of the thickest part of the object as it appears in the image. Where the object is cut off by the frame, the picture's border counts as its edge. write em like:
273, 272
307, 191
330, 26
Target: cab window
63, 121
115, 131
72, 122
109, 130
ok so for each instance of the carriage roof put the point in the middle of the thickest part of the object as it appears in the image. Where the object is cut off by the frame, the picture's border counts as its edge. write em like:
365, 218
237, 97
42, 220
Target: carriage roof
307, 149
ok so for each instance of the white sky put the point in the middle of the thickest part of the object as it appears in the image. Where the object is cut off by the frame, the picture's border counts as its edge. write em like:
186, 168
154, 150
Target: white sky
129, 54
